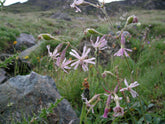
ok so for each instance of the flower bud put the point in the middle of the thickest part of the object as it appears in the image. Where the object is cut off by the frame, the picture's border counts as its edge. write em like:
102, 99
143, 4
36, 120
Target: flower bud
131, 19
92, 31
105, 115
46, 37
135, 20
116, 89
104, 74
128, 100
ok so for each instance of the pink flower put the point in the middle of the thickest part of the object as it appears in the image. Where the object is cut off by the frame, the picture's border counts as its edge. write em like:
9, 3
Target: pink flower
106, 110
82, 60
100, 43
118, 111
122, 50
129, 88
105, 115
88, 103
76, 3
61, 61
55, 52
64, 64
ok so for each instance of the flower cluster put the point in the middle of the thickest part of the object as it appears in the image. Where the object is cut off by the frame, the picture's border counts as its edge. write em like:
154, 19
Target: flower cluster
118, 110
63, 63
100, 43
82, 60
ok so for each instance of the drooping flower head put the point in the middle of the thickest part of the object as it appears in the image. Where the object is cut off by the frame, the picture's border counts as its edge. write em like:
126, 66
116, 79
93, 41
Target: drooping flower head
122, 50
89, 104
77, 3
118, 111
106, 110
82, 60
129, 88
100, 43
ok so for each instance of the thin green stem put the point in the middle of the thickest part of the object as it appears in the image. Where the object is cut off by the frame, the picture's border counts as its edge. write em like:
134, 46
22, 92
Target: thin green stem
82, 113
127, 63
132, 118
142, 109
97, 57
98, 72
108, 19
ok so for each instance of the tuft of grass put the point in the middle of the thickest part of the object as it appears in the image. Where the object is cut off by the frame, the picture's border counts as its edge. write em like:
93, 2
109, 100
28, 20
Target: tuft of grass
7, 37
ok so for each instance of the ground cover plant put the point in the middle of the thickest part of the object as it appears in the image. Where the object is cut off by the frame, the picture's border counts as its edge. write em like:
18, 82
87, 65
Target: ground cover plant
128, 89
136, 109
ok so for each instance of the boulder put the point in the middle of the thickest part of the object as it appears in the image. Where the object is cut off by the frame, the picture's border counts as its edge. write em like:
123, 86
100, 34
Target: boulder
24, 41
30, 50
22, 96
62, 16
3, 76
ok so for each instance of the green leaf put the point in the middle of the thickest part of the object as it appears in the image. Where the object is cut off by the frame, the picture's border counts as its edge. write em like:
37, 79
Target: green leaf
141, 120
156, 120
151, 105
148, 118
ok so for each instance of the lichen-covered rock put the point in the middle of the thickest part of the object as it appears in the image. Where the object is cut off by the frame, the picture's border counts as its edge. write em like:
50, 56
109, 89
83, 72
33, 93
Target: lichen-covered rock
24, 41
22, 96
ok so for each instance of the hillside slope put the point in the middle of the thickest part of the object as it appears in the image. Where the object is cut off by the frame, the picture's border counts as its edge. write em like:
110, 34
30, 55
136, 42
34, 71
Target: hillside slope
64, 5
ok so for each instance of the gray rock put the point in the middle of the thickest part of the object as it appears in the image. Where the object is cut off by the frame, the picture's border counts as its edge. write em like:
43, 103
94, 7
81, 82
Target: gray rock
30, 50
62, 16
24, 41
3, 76
22, 96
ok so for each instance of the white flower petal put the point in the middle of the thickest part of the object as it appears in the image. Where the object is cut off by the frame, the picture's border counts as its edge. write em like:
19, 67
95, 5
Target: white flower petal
123, 89
135, 84
75, 54
126, 83
133, 93
77, 62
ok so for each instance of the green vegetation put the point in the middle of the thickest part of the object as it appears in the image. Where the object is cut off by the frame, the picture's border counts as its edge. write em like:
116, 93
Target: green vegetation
8, 36
147, 62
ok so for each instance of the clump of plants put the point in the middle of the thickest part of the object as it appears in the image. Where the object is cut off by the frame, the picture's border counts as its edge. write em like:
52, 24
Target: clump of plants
8, 36
118, 101
115, 93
